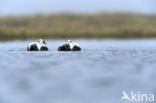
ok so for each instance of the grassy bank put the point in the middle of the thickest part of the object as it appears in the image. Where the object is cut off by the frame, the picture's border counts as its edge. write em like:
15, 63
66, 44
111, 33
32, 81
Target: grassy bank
78, 26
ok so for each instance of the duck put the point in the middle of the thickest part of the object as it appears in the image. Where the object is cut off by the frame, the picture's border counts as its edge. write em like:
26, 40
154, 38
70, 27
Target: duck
40, 45
69, 46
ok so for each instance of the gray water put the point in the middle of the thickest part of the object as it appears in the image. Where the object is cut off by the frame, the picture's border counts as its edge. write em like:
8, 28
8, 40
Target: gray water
97, 74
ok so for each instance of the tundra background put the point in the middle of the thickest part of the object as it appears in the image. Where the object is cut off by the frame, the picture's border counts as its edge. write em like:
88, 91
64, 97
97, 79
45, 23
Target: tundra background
103, 25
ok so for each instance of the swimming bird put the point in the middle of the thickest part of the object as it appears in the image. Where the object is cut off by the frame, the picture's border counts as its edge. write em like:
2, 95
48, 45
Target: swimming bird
40, 45
69, 46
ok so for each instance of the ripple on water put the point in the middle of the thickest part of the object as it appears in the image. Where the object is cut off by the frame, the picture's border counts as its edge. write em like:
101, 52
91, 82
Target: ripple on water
96, 74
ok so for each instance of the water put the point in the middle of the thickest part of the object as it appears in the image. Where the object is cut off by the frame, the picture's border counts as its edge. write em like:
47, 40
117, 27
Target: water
97, 74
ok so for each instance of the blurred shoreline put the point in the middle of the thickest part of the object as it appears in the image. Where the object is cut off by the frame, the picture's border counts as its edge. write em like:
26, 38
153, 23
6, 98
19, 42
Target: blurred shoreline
78, 26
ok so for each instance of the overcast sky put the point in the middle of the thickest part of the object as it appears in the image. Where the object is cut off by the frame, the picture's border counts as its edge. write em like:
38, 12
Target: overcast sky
25, 7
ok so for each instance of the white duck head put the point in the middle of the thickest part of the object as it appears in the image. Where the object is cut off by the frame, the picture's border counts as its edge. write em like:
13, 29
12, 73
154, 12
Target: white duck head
69, 41
41, 41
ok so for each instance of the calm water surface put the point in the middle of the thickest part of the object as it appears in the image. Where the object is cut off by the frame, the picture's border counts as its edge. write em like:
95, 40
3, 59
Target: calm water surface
97, 74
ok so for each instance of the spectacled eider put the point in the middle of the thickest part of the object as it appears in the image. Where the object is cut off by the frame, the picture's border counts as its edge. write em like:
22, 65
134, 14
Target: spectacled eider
69, 46
40, 45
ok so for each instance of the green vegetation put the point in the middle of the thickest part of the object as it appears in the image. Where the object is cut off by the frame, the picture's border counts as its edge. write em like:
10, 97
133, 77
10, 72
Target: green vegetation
104, 25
